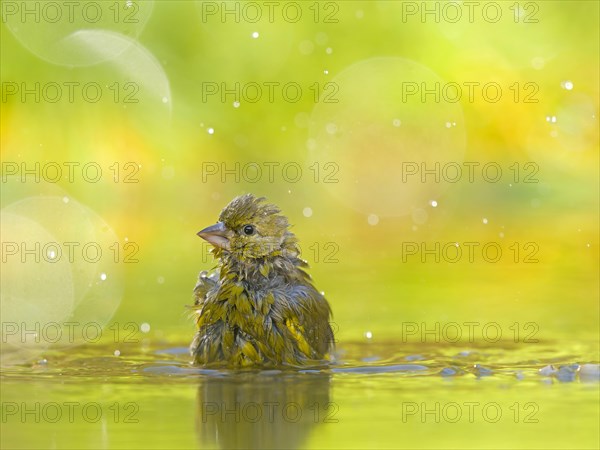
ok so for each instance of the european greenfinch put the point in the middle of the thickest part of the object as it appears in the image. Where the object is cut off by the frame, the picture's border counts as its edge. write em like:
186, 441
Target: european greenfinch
259, 307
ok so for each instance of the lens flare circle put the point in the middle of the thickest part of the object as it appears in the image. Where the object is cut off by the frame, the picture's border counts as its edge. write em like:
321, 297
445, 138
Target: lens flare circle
388, 134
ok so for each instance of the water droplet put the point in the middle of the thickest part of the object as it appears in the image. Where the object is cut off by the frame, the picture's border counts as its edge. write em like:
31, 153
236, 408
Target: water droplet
373, 219
103, 276
329, 50
519, 375
306, 47
547, 370
145, 327
396, 122
482, 371
321, 38
419, 216
589, 372
211, 131
165, 100
168, 172
51, 254
301, 120
117, 353
567, 84
307, 212
331, 128
326, 72
236, 104
551, 119
538, 63
255, 35
65, 199
433, 203
484, 220
160, 280
368, 334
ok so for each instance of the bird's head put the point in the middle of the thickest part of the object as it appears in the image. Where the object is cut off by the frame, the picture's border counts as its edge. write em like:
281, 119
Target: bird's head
249, 228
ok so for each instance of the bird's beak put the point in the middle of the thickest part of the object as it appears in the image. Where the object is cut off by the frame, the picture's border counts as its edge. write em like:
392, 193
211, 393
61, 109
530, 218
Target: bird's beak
217, 234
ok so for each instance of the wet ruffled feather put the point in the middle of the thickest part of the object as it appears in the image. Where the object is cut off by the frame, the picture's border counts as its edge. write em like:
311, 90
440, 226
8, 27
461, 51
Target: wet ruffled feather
259, 306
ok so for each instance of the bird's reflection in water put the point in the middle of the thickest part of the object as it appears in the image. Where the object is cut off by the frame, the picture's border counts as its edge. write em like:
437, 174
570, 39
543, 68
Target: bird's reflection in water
268, 409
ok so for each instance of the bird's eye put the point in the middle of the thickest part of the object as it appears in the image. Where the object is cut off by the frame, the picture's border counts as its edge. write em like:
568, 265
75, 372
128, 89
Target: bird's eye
248, 230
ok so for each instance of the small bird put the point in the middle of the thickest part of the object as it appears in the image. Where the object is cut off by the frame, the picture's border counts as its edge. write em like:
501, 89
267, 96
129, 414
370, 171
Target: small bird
259, 307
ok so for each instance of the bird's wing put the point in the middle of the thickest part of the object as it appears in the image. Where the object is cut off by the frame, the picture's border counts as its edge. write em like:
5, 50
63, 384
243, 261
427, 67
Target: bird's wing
306, 315
205, 283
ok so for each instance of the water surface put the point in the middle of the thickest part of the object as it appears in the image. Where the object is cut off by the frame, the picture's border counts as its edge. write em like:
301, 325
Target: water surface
375, 395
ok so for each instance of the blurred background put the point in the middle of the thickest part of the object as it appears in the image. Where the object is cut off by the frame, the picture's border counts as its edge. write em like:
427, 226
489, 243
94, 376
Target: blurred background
438, 160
